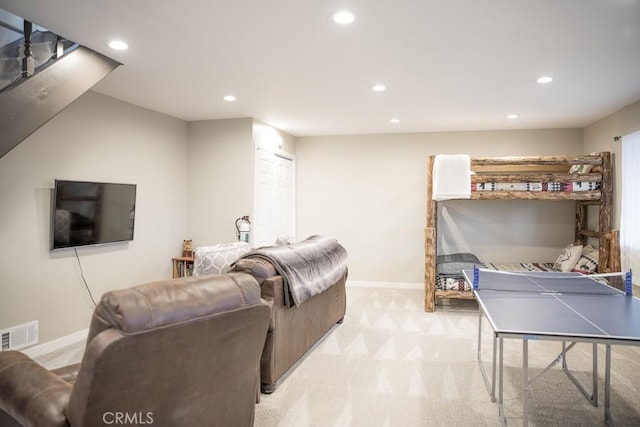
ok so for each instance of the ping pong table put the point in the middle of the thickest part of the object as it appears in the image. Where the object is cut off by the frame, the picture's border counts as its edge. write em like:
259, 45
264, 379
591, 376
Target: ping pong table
566, 307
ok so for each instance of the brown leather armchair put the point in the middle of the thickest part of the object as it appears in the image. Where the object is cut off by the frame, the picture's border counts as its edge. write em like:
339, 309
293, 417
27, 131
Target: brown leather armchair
180, 352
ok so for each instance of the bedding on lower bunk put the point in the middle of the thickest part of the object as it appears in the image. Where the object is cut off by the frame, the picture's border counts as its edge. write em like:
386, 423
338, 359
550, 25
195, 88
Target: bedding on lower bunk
457, 282
449, 270
572, 258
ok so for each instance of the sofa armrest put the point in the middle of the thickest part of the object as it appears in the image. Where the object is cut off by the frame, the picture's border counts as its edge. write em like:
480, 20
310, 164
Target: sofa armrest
259, 268
272, 289
30, 393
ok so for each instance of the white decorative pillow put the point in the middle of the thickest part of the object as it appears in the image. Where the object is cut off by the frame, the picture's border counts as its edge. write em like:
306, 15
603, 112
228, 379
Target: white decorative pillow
568, 258
588, 262
580, 169
217, 259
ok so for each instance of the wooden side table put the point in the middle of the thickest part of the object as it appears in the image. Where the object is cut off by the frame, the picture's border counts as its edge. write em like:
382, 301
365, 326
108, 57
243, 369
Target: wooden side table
182, 266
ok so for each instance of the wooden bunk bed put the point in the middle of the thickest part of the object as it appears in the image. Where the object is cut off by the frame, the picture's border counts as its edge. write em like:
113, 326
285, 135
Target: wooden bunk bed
513, 178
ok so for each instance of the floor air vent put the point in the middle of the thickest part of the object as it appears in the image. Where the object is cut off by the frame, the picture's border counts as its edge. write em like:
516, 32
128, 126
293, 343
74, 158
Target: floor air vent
20, 336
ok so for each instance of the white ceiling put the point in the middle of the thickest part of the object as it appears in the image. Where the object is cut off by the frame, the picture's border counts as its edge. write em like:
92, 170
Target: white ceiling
448, 64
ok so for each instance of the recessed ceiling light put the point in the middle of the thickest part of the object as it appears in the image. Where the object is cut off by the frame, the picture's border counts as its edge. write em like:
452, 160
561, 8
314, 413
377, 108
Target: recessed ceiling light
394, 121
229, 98
545, 79
118, 45
512, 116
343, 17
378, 88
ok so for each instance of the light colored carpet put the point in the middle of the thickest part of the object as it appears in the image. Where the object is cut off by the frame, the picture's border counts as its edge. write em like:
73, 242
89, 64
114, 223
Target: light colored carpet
65, 356
391, 364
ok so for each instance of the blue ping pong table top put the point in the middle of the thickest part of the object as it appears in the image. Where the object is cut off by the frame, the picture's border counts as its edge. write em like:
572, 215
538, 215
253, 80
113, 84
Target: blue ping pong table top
551, 307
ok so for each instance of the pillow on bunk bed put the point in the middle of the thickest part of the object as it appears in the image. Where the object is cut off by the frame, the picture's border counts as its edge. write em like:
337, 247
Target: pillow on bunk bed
580, 169
588, 262
568, 258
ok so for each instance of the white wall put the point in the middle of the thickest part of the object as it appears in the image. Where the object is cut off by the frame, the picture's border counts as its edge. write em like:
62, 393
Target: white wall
599, 137
195, 179
220, 176
220, 179
369, 192
95, 139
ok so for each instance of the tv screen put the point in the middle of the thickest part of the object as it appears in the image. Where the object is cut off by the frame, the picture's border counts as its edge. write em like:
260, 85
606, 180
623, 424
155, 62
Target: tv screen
92, 213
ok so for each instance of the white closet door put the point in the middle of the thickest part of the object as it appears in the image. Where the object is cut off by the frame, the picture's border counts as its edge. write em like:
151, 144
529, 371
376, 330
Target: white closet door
274, 202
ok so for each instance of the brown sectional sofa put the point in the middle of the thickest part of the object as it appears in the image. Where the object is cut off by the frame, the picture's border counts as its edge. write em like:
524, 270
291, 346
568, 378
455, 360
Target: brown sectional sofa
146, 355
292, 330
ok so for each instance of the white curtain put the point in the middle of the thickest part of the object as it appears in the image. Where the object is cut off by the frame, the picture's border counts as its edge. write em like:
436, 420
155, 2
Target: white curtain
630, 205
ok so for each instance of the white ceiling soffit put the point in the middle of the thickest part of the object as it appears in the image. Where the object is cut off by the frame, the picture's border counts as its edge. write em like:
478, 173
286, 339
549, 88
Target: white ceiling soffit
447, 65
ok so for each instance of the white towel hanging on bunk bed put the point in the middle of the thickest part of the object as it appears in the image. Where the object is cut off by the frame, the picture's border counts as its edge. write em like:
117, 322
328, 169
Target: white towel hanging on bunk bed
451, 177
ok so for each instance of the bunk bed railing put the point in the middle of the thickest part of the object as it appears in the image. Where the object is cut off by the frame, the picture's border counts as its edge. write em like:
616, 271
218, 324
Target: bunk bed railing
511, 161
530, 195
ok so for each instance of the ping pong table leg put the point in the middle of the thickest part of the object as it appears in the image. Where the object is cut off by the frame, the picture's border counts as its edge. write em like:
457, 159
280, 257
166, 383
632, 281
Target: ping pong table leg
525, 381
608, 418
501, 384
493, 373
491, 389
594, 395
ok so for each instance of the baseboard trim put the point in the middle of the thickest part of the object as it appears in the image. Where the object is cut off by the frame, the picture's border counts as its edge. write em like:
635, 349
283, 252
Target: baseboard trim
389, 285
57, 344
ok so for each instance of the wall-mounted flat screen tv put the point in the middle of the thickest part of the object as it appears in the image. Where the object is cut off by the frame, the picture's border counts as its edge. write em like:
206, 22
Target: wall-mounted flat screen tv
91, 213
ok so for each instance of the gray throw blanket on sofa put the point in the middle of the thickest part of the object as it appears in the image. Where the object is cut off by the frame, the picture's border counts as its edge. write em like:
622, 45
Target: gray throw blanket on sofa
308, 267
